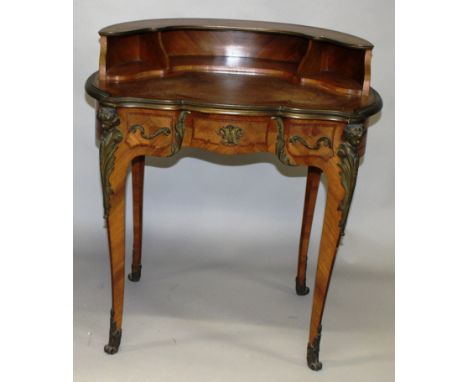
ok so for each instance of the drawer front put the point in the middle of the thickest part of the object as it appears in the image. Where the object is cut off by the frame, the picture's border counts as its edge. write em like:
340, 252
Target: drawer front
230, 134
149, 128
314, 138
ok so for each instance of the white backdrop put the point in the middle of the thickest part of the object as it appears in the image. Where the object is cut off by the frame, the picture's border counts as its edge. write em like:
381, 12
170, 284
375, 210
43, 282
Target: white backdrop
232, 204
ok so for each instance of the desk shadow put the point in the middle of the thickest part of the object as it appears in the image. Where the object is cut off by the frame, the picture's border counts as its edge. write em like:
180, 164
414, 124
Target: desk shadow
227, 160
237, 339
381, 357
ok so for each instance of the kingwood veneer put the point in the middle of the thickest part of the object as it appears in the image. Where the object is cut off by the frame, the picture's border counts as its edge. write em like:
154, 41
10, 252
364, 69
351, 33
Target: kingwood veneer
232, 87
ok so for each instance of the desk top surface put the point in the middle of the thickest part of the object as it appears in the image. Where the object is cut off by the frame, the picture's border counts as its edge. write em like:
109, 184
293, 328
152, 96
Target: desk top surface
253, 94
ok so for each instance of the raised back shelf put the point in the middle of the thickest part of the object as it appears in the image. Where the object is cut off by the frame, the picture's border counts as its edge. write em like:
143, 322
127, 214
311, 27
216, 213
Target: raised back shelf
328, 60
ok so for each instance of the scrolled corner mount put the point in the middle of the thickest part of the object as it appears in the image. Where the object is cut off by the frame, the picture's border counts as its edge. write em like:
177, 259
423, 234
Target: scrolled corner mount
280, 149
111, 136
349, 164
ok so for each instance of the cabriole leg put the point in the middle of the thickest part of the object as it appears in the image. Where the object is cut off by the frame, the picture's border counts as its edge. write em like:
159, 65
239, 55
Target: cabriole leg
113, 166
116, 237
138, 171
313, 181
328, 246
341, 174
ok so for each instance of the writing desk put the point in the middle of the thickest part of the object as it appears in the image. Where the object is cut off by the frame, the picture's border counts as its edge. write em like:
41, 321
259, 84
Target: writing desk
232, 87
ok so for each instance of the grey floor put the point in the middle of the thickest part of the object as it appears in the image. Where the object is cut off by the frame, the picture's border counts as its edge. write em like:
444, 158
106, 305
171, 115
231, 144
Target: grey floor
216, 308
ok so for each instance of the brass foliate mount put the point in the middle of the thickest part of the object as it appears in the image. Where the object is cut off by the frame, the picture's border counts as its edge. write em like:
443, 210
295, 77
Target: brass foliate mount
349, 164
313, 351
115, 335
111, 137
230, 135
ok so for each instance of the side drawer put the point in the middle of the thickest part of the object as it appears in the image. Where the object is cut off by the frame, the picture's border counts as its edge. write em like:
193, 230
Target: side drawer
306, 138
150, 128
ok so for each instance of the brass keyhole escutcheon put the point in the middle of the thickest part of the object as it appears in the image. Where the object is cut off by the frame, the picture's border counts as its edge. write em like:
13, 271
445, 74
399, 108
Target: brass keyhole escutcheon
230, 134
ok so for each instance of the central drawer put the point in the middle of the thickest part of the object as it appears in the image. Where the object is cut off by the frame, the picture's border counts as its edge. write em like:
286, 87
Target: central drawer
230, 134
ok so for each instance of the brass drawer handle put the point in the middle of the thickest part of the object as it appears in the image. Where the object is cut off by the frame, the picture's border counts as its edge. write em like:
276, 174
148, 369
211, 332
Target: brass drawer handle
230, 134
163, 130
321, 142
